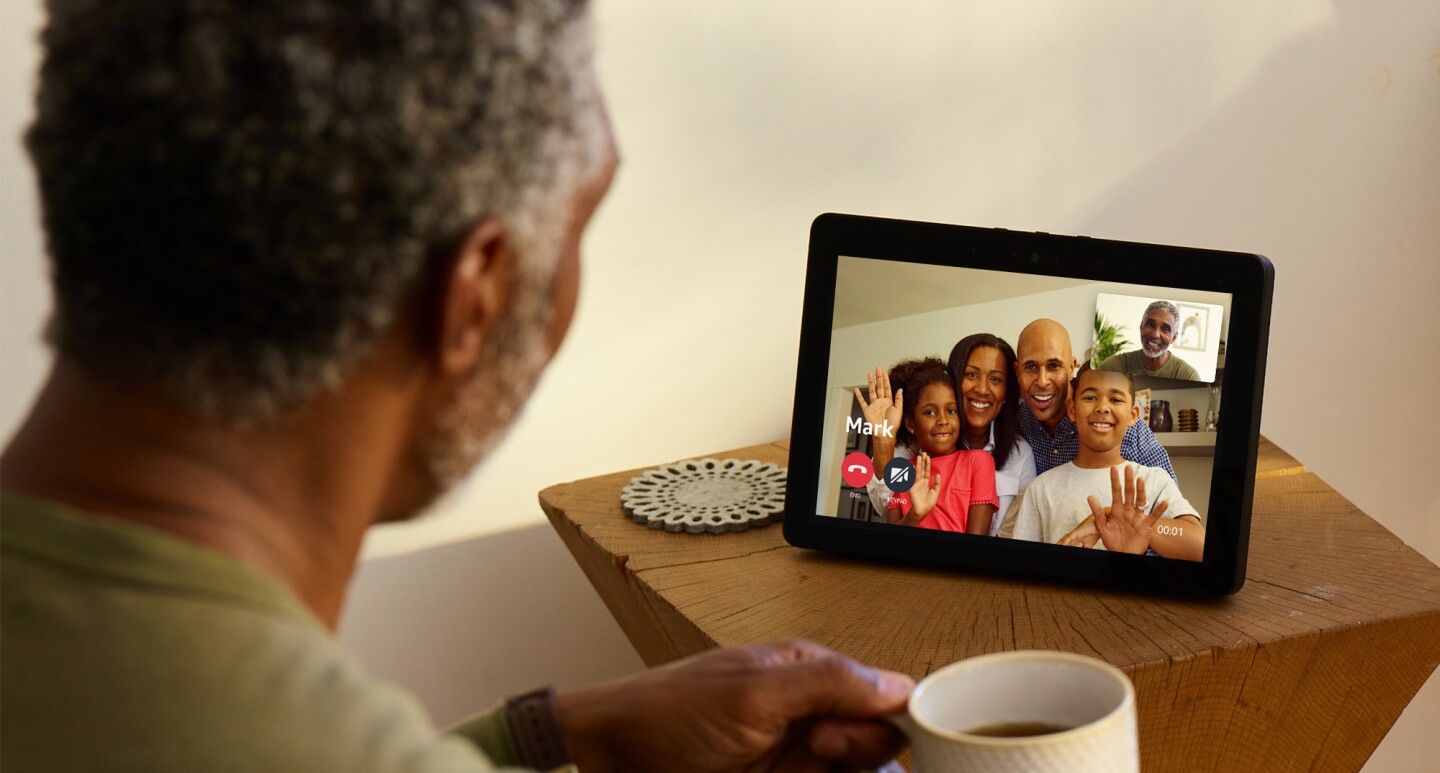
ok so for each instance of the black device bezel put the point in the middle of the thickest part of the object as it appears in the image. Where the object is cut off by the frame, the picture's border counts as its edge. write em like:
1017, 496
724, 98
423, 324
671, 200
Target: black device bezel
1249, 280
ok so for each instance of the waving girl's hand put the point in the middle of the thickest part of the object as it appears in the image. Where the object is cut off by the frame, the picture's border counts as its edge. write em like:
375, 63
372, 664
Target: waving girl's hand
924, 494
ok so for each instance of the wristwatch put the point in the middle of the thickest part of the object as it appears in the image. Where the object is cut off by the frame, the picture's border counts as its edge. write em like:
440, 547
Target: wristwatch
536, 729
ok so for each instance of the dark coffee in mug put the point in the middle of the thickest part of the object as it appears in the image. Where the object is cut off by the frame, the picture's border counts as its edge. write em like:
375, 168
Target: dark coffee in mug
1017, 729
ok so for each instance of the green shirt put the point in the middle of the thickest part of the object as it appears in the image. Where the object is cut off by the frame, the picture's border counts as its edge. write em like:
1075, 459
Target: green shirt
125, 649
1133, 363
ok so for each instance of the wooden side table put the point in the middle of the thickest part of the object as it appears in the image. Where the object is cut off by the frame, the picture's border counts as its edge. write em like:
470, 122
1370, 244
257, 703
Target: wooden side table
1308, 666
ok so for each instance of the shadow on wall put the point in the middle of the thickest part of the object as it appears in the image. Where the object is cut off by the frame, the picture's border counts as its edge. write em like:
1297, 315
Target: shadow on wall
465, 625
1348, 222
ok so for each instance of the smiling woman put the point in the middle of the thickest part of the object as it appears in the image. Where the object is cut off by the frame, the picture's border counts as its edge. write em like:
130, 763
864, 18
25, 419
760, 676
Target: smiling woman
983, 365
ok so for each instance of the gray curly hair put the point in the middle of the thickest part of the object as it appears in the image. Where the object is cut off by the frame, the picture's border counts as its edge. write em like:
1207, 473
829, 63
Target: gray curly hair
1166, 305
241, 198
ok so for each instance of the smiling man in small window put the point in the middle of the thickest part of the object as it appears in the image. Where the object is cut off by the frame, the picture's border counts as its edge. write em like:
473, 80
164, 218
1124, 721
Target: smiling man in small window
1157, 331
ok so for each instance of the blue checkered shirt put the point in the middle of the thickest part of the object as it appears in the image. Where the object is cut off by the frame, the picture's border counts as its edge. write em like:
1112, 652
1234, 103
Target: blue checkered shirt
1139, 444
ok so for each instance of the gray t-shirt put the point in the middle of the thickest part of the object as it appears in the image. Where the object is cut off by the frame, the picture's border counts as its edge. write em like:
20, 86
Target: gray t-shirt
1133, 363
1057, 501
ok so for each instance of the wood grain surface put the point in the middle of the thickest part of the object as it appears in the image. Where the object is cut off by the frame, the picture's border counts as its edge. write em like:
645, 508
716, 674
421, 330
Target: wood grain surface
1307, 667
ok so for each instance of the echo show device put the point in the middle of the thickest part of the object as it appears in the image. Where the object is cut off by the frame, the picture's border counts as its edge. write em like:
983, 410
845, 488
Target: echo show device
1055, 407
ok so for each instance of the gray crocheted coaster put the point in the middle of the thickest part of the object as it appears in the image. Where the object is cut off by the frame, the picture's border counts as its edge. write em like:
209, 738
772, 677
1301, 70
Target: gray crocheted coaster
706, 495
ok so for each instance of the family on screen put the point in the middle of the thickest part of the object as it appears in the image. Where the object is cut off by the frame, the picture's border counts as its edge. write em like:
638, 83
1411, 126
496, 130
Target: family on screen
1016, 443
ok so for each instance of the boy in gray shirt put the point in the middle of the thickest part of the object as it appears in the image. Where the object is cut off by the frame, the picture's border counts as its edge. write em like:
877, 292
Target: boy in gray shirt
1090, 500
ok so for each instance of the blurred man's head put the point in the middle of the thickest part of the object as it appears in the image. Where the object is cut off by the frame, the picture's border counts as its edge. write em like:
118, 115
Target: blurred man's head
1158, 328
243, 199
1043, 365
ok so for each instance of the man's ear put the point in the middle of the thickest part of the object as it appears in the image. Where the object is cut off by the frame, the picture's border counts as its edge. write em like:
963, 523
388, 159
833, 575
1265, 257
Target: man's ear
1070, 409
472, 295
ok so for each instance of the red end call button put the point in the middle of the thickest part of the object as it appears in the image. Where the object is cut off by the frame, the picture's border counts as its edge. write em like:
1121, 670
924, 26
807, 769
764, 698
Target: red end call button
857, 470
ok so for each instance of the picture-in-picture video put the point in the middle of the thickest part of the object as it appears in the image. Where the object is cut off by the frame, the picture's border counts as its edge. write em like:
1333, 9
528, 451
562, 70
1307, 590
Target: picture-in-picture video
1013, 406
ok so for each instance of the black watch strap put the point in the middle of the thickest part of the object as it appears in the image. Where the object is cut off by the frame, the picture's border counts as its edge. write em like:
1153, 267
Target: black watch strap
536, 729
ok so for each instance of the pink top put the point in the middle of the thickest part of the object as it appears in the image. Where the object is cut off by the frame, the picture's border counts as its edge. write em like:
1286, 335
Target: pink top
966, 478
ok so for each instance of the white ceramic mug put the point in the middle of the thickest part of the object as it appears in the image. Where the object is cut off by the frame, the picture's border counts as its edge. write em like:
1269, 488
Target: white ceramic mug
1092, 700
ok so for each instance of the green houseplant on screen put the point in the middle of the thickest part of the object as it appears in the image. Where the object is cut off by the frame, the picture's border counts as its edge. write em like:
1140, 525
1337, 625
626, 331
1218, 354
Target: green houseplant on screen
1108, 340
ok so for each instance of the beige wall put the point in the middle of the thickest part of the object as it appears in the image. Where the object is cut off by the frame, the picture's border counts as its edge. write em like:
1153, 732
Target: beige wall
1302, 129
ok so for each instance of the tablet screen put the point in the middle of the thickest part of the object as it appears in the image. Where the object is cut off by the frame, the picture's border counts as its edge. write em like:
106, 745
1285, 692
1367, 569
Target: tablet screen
1022, 406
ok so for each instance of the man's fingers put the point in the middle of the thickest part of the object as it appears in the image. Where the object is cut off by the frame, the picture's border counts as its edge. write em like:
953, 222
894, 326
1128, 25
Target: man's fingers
831, 686
1140, 500
900, 403
884, 381
1076, 536
1131, 497
863, 743
1117, 494
863, 405
781, 653
870, 384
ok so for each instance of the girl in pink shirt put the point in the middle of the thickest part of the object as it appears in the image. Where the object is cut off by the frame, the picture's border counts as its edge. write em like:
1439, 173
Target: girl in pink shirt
954, 489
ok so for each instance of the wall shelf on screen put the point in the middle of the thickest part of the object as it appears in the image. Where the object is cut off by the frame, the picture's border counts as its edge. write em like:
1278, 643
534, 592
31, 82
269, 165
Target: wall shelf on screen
1187, 443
